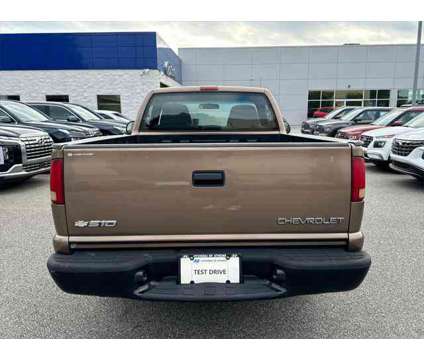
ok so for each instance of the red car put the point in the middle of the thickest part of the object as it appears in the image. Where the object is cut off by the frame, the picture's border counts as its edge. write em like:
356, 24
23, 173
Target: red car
322, 111
396, 117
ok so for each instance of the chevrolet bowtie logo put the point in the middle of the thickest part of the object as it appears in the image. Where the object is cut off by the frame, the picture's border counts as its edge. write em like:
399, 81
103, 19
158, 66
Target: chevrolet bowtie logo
81, 223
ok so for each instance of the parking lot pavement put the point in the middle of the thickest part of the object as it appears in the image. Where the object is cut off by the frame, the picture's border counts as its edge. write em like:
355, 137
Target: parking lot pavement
389, 303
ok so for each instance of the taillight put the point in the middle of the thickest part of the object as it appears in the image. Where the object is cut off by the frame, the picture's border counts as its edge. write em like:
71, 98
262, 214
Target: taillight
56, 182
209, 88
358, 179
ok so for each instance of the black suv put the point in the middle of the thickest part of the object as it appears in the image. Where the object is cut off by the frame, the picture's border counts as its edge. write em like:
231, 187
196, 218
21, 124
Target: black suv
17, 113
74, 113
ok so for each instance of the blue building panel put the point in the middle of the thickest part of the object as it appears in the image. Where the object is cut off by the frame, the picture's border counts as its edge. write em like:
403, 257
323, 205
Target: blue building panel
82, 51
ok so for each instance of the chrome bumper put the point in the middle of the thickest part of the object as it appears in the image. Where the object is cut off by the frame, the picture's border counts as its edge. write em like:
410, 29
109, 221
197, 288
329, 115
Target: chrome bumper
18, 170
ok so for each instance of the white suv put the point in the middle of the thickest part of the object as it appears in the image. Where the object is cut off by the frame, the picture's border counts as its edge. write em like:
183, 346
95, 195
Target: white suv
378, 143
407, 154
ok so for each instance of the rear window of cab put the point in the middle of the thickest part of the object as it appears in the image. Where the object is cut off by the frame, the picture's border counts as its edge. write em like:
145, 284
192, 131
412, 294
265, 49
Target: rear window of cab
209, 111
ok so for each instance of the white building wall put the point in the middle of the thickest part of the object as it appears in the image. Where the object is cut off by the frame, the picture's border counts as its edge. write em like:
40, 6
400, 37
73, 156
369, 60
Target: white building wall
83, 86
290, 72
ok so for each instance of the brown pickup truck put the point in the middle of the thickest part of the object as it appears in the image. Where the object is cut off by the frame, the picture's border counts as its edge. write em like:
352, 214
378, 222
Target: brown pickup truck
208, 199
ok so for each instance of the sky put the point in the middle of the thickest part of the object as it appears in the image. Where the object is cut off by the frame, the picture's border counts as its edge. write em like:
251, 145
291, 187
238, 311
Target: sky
240, 33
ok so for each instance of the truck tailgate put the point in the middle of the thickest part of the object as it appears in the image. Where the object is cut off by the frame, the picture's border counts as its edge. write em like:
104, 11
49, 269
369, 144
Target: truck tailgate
148, 190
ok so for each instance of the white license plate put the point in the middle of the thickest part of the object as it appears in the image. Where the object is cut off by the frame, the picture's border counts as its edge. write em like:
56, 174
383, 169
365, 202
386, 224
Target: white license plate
1, 156
209, 269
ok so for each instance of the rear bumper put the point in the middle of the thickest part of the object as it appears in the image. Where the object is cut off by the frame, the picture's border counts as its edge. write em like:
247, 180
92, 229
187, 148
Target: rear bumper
408, 169
153, 274
18, 171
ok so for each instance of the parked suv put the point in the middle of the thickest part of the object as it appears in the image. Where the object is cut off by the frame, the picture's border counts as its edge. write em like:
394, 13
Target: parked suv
24, 152
17, 113
74, 113
407, 155
396, 117
308, 126
365, 115
378, 143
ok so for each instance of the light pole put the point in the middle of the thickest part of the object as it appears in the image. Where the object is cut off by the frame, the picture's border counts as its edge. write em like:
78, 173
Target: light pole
417, 64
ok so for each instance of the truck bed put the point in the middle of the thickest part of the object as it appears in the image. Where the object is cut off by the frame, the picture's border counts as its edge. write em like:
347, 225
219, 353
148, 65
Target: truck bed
176, 138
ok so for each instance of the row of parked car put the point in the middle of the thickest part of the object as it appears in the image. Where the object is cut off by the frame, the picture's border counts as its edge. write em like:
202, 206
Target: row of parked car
28, 131
391, 137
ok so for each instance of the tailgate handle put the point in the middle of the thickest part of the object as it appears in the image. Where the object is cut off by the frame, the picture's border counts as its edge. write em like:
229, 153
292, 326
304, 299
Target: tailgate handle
208, 178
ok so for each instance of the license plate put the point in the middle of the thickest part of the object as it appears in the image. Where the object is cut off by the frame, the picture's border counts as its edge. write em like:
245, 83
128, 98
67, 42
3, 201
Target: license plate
1, 156
209, 269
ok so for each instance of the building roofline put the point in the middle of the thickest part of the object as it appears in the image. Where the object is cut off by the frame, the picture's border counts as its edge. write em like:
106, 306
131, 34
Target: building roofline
292, 46
82, 33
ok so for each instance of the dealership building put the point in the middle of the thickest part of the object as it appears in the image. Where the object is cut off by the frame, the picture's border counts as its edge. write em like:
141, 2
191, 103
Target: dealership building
304, 78
116, 70
109, 71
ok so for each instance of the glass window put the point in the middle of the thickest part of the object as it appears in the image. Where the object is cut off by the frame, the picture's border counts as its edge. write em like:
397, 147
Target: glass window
312, 106
327, 95
341, 113
59, 112
418, 122
327, 104
370, 102
383, 94
105, 116
314, 95
83, 112
408, 116
387, 118
349, 94
405, 96
353, 102
42, 108
365, 117
57, 98
5, 117
24, 112
10, 97
226, 111
120, 115
384, 103
351, 115
109, 102
370, 94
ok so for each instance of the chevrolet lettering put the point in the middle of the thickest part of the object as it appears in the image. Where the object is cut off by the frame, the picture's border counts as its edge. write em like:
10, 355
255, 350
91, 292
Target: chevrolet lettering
310, 220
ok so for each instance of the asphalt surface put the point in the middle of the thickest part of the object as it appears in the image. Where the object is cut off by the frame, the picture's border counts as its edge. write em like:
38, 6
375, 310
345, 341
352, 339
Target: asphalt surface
389, 303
